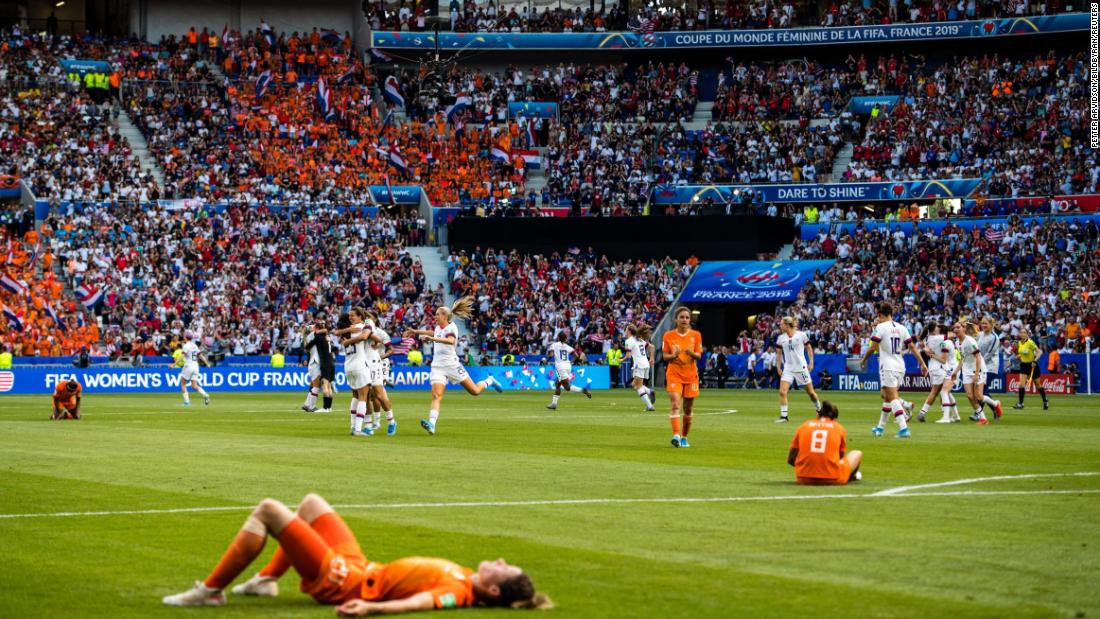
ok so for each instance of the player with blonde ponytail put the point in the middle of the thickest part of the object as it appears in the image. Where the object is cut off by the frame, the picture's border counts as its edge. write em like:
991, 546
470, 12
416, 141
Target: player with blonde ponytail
446, 366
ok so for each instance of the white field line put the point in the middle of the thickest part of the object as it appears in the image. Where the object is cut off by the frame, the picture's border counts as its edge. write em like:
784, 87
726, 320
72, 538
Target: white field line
961, 482
608, 501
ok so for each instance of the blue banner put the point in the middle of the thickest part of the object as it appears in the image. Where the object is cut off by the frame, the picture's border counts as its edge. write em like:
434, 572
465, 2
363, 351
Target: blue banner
864, 105
810, 231
743, 280
402, 194
823, 192
36, 380
85, 66
786, 37
532, 109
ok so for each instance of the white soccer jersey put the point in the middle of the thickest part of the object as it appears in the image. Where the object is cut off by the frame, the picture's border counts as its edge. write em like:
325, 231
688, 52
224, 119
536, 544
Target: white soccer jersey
562, 353
445, 355
638, 349
356, 354
794, 350
191, 356
990, 345
948, 346
970, 353
893, 340
379, 347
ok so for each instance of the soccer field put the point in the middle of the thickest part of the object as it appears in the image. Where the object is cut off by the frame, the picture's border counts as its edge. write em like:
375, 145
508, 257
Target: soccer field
104, 516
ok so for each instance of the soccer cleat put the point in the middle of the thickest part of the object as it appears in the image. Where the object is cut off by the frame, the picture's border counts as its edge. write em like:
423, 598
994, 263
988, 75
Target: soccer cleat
858, 475
186, 404
684, 442
551, 407
428, 425
782, 419
877, 431
495, 385
908, 407
206, 400
306, 408
1046, 404
261, 586
997, 410
902, 433
587, 393
376, 427
366, 431
945, 419
983, 422
1018, 405
675, 440
975, 417
391, 427
199, 595
920, 416
649, 409
321, 410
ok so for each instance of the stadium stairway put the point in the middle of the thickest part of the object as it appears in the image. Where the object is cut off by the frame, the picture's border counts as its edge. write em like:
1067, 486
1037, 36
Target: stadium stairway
435, 273
536, 179
840, 164
140, 147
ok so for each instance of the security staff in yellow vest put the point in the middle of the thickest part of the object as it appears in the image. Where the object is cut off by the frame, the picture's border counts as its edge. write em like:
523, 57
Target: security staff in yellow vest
5, 359
614, 363
277, 359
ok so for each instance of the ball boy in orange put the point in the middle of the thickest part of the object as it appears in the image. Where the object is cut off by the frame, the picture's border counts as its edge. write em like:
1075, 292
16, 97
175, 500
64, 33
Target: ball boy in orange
318, 544
66, 400
681, 348
818, 451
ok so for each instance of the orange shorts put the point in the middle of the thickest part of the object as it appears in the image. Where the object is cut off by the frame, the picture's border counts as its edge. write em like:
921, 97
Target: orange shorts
842, 477
327, 556
686, 387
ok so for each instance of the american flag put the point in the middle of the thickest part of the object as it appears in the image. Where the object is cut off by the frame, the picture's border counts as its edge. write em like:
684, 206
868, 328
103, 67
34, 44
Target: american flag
407, 344
645, 26
7, 381
994, 235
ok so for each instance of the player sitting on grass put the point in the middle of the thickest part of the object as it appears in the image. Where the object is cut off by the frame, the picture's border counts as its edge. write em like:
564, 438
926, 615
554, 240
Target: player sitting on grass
817, 451
317, 542
66, 401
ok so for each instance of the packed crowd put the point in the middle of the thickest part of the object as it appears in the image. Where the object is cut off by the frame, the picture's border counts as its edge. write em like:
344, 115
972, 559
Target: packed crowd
472, 16
749, 91
524, 302
1022, 124
1042, 276
247, 279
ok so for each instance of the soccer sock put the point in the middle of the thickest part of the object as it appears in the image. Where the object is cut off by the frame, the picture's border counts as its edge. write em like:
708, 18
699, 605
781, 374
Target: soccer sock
186, 398
979, 413
924, 409
389, 415
278, 565
484, 384
432, 416
1043, 393
360, 415
327, 401
245, 548
311, 399
687, 425
990, 401
899, 413
377, 417
554, 400
351, 411
885, 416
643, 393
201, 391
575, 389
675, 420
1021, 394
817, 405
783, 411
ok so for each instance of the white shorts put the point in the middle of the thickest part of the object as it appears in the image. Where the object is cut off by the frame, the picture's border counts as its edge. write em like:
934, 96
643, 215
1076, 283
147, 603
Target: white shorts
377, 374
314, 373
642, 373
188, 373
563, 372
891, 379
358, 376
800, 378
450, 373
972, 376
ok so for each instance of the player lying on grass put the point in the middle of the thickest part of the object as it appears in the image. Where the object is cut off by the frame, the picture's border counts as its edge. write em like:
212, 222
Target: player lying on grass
66, 401
318, 544
818, 451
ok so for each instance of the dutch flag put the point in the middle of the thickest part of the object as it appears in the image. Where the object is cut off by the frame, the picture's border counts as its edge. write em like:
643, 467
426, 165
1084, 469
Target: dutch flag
13, 285
500, 153
263, 82
52, 313
225, 36
80, 320
330, 36
392, 92
379, 55
268, 33
323, 101
396, 160
90, 296
13, 319
530, 158
531, 141
462, 101
347, 76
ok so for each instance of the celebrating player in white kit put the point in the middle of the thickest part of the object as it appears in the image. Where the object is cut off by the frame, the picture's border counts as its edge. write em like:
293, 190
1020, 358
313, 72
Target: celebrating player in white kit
355, 365
189, 373
445, 364
973, 369
942, 370
990, 345
792, 347
892, 340
562, 354
639, 350
378, 354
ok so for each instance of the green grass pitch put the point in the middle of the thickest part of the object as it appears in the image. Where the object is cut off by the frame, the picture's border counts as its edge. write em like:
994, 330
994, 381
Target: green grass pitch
606, 516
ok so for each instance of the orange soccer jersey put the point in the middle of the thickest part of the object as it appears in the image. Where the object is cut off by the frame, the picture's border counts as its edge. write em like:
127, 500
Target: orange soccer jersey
682, 373
63, 398
820, 444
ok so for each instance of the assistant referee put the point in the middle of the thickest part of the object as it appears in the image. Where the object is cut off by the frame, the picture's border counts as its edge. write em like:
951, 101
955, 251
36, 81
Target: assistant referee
1028, 352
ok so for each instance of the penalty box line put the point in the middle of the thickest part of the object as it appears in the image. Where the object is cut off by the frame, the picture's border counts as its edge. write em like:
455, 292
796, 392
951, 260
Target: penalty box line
899, 492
